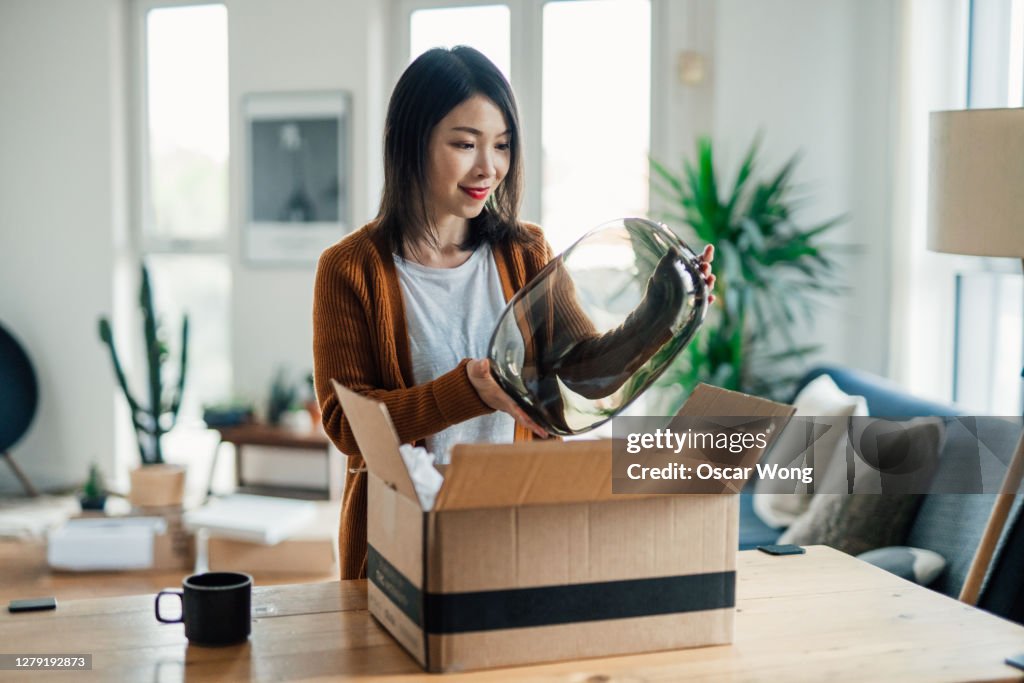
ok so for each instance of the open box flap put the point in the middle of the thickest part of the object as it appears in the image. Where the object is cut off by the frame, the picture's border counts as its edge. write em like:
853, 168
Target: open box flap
554, 472
377, 439
714, 402
498, 475
718, 402
534, 473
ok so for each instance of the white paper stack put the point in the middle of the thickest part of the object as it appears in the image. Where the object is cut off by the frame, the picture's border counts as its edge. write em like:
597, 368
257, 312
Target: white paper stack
257, 519
104, 544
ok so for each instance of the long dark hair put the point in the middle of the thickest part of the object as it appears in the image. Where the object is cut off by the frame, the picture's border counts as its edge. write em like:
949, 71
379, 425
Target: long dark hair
434, 84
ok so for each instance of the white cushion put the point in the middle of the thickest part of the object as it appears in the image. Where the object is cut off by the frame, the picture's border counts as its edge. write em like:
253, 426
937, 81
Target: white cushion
913, 564
779, 502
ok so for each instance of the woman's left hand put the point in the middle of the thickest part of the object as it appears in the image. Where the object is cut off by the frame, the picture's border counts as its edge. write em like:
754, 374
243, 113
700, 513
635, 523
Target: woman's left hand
706, 258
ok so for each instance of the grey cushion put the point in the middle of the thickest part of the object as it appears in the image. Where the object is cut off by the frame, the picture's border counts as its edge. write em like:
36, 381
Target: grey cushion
854, 523
913, 564
859, 522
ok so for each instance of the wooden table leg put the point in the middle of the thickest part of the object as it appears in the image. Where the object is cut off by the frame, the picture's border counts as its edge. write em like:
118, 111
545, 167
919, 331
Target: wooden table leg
238, 465
29, 488
213, 468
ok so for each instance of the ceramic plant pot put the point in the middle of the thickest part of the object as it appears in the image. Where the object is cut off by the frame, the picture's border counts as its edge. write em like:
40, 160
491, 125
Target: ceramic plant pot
157, 486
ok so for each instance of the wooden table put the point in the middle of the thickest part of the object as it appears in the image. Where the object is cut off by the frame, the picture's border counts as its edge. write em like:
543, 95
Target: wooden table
256, 434
819, 616
24, 573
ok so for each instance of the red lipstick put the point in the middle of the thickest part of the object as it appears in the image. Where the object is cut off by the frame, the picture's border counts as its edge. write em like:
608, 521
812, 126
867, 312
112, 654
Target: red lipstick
476, 193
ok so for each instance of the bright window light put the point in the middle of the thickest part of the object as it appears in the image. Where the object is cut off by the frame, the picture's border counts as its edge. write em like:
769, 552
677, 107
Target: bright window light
989, 357
1016, 71
200, 285
486, 28
187, 117
596, 114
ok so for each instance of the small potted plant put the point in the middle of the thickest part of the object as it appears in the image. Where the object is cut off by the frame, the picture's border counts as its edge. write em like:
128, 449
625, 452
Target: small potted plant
283, 397
94, 494
228, 414
156, 483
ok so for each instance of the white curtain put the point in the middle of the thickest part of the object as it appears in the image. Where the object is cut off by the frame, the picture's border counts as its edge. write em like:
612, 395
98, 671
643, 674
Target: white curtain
933, 77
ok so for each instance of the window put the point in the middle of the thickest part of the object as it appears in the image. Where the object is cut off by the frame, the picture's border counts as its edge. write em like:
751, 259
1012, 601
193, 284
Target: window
182, 207
989, 305
595, 143
586, 155
486, 28
186, 112
989, 348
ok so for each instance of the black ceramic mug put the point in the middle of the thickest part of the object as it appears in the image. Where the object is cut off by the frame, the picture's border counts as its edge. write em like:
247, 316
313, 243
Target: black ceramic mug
216, 607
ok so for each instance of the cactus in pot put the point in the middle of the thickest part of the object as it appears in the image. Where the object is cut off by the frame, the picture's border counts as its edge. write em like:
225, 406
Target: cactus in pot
158, 413
93, 495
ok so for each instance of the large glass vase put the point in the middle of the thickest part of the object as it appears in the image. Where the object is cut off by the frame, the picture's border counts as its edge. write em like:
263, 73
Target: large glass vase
598, 325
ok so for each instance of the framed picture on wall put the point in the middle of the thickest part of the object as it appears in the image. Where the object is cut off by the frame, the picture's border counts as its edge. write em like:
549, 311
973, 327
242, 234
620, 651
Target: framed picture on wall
298, 175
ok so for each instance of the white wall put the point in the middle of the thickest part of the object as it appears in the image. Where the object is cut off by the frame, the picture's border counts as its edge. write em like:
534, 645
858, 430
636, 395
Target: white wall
298, 45
61, 202
814, 77
817, 77
680, 113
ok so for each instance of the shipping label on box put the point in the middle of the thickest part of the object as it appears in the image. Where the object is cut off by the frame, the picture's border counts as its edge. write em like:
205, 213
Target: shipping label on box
527, 555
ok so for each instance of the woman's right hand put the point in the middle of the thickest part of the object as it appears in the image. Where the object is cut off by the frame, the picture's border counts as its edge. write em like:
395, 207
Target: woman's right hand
479, 372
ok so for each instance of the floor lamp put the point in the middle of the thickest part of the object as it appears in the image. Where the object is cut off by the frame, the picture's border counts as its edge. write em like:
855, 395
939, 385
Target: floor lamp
976, 207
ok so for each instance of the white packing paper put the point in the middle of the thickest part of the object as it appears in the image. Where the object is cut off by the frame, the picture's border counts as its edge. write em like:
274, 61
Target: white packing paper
425, 477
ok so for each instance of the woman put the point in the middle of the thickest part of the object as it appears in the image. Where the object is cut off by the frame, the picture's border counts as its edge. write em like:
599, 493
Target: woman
404, 307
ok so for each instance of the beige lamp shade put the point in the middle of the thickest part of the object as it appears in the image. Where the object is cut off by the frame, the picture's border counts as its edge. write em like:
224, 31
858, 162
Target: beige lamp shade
976, 182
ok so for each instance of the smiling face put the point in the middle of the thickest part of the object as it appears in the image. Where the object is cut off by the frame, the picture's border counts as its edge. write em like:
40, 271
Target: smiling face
468, 156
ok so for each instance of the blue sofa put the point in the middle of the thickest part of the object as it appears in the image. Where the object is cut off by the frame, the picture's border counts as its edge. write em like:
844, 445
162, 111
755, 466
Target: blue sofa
949, 524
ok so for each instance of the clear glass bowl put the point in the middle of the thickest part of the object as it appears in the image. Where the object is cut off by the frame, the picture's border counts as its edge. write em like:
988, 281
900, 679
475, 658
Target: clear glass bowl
598, 325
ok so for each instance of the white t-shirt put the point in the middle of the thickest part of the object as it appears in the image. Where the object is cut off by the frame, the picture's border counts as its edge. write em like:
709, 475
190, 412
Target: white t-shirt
450, 314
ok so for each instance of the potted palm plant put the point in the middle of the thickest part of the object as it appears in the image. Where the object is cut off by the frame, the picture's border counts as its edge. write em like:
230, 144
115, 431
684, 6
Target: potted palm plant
770, 271
156, 483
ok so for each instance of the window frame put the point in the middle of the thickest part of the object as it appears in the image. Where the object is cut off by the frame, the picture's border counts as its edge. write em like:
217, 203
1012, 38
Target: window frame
526, 25
136, 243
527, 64
142, 240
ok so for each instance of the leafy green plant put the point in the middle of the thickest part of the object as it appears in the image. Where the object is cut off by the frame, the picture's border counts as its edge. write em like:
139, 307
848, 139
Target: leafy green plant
158, 415
283, 396
770, 272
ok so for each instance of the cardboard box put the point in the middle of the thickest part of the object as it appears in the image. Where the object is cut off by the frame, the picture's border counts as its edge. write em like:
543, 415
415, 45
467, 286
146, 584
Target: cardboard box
147, 542
528, 557
175, 549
